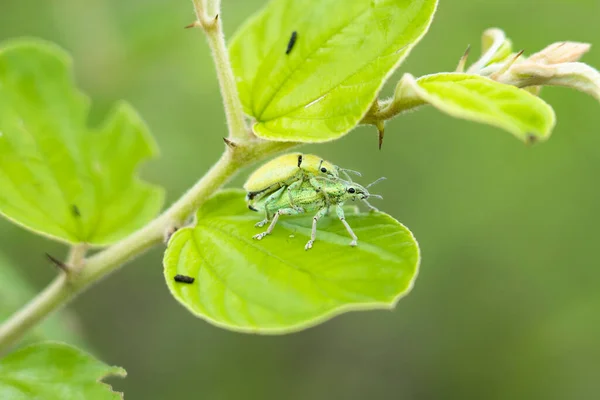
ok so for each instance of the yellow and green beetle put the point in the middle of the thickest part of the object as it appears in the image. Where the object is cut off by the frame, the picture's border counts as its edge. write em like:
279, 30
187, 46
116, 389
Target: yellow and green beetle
287, 169
306, 199
291, 170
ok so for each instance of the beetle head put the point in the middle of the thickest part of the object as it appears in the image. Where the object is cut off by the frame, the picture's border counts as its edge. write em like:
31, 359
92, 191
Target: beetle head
355, 191
328, 170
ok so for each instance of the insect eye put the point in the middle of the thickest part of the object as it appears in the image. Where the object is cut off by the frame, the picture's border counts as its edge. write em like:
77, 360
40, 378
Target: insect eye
351, 190
323, 170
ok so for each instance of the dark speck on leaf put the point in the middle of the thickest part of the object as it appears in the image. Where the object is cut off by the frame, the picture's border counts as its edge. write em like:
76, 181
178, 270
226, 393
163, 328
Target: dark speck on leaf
531, 139
75, 211
184, 279
291, 43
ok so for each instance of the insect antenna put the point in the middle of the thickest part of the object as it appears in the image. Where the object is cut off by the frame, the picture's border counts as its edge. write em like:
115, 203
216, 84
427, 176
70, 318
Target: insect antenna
375, 182
345, 172
351, 170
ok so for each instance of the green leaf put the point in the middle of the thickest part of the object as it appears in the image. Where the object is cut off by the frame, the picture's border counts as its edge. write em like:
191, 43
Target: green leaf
274, 286
483, 100
15, 292
55, 371
58, 177
344, 52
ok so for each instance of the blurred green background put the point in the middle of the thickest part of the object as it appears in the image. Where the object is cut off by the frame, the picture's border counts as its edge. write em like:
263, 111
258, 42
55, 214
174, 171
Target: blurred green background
507, 305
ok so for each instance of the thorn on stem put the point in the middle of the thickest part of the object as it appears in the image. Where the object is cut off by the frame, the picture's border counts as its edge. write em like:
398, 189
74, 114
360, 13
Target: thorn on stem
229, 143
381, 131
506, 66
463, 60
64, 267
194, 24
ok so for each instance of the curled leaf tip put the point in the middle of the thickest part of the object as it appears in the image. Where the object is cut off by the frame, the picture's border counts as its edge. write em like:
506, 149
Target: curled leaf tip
561, 52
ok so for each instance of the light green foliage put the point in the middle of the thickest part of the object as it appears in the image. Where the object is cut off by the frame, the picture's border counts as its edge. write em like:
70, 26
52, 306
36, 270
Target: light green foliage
481, 99
15, 291
343, 53
55, 371
275, 286
489, 92
59, 177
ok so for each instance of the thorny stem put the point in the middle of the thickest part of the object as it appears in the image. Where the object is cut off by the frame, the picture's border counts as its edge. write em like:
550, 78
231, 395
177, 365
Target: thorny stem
241, 150
67, 285
216, 40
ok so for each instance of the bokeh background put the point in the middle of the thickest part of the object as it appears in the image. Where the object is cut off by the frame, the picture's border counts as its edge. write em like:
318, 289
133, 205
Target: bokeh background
507, 305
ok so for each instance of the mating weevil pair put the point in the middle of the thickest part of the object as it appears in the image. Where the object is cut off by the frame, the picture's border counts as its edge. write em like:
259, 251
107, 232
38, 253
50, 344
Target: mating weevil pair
298, 183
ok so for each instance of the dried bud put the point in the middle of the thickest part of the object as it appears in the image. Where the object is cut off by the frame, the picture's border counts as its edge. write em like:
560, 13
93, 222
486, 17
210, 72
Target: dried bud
556, 65
574, 75
562, 52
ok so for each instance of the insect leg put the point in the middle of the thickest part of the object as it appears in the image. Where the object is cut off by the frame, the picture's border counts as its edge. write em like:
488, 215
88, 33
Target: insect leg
282, 211
315, 183
313, 235
268, 201
372, 208
293, 186
340, 213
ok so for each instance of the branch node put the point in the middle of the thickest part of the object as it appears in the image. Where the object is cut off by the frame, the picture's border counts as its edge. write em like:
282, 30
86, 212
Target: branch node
169, 232
207, 23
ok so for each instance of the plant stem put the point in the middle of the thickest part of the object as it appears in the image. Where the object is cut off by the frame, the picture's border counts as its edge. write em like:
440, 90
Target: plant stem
216, 40
213, 7
245, 150
49, 300
76, 257
405, 99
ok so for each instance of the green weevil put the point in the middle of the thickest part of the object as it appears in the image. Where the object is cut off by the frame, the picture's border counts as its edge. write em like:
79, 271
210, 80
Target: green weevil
307, 199
292, 170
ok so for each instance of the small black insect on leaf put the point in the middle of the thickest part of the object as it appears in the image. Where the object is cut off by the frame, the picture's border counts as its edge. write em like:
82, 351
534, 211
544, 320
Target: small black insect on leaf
75, 211
292, 42
184, 279
531, 139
